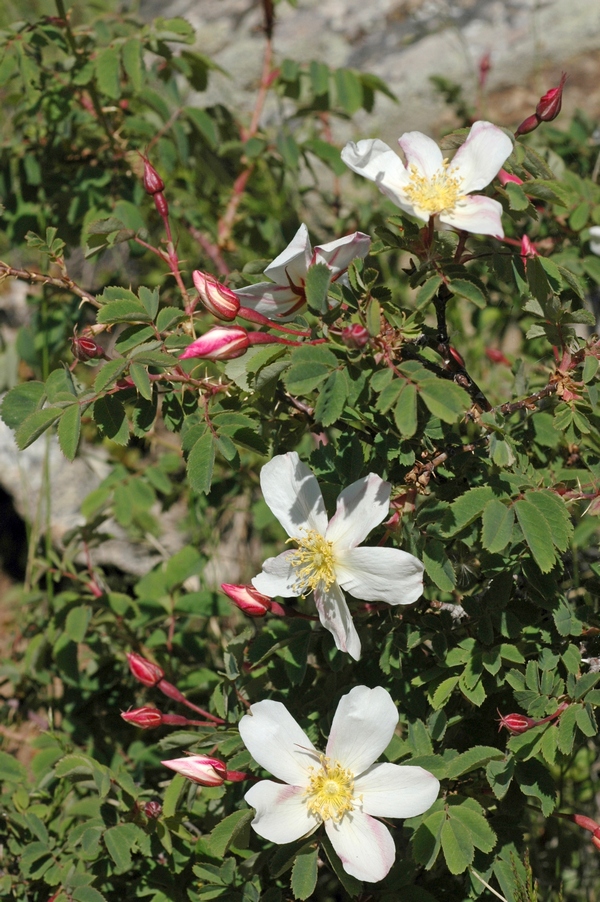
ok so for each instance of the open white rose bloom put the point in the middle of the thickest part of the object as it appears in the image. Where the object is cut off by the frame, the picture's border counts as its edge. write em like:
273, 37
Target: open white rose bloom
343, 788
328, 558
283, 297
428, 185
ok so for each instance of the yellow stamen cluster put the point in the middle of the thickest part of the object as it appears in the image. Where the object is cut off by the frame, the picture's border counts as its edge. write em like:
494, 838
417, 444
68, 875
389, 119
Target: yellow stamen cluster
330, 791
313, 562
436, 194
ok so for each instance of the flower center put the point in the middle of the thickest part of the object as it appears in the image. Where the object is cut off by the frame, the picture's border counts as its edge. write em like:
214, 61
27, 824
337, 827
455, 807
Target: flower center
313, 561
436, 194
330, 790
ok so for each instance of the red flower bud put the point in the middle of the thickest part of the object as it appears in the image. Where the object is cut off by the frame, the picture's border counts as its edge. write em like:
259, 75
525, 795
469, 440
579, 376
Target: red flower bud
549, 106
145, 671
85, 349
527, 125
485, 65
219, 343
355, 336
160, 202
504, 177
527, 249
153, 184
146, 718
496, 356
153, 809
516, 723
199, 769
248, 599
221, 301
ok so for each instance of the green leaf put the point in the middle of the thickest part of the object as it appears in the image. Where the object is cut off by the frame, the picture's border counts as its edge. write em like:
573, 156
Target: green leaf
304, 872
405, 411
457, 846
168, 317
109, 374
310, 367
118, 842
316, 287
470, 815
332, 398
107, 72
445, 399
555, 512
69, 430
499, 775
225, 833
87, 894
438, 566
535, 781
465, 288
141, 380
566, 621
427, 291
35, 425
443, 692
123, 311
349, 90
109, 415
21, 401
131, 54
11, 770
472, 759
537, 534
466, 509
77, 622
498, 521
427, 839
172, 794
517, 199
200, 464
149, 299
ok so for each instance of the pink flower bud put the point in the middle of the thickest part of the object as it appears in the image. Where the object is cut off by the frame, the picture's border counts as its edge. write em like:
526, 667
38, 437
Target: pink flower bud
248, 599
517, 723
221, 301
86, 349
527, 125
153, 810
145, 718
496, 356
527, 249
153, 184
485, 65
219, 343
145, 671
504, 177
199, 769
355, 336
549, 106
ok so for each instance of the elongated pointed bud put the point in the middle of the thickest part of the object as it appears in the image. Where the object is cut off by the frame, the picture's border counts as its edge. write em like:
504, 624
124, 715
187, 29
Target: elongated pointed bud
549, 105
153, 184
199, 769
219, 343
527, 248
221, 301
527, 125
146, 718
504, 177
248, 599
145, 671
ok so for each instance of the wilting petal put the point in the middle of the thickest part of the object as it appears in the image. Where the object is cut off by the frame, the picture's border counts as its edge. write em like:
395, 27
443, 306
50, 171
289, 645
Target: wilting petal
392, 790
363, 726
379, 574
335, 617
273, 301
360, 508
292, 263
293, 494
481, 157
281, 812
421, 152
278, 577
364, 845
277, 743
476, 214
377, 162
338, 255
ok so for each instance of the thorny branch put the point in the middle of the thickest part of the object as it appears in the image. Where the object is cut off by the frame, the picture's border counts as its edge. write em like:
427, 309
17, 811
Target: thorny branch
64, 282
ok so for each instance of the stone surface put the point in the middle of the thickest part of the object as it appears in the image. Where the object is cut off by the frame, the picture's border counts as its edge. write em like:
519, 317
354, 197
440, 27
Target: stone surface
405, 42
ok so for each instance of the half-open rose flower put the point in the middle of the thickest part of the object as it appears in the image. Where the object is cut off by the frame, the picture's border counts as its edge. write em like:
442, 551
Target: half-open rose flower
342, 789
429, 185
283, 297
328, 558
